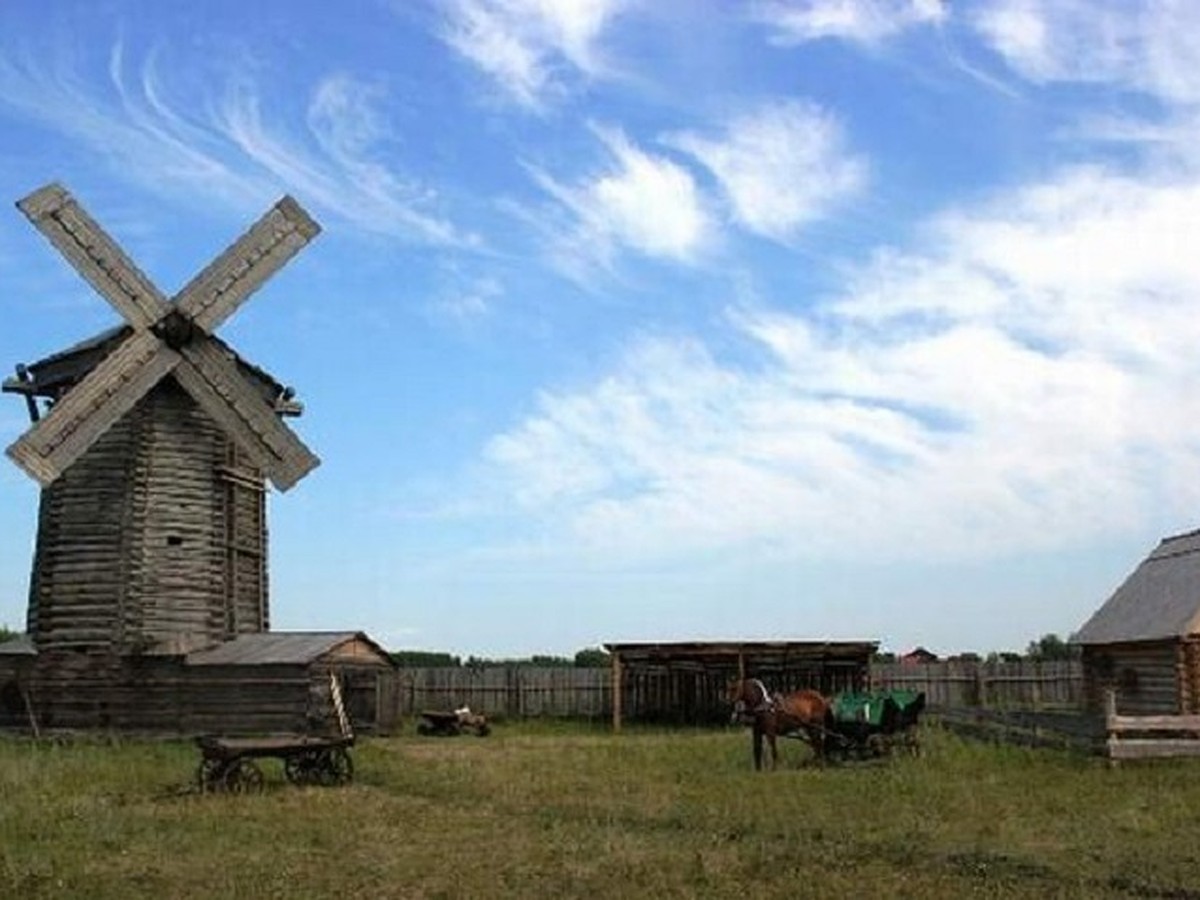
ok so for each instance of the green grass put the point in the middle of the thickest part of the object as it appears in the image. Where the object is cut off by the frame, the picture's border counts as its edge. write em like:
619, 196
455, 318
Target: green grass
554, 811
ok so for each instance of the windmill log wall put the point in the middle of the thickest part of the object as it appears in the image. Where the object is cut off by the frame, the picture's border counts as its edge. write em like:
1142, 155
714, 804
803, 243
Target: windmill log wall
154, 540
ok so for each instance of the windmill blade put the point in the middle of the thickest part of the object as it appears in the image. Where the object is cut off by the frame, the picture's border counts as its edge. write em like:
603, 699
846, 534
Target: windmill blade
90, 408
213, 295
213, 380
95, 255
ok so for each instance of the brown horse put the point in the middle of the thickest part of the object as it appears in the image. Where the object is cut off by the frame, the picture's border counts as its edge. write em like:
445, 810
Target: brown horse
800, 711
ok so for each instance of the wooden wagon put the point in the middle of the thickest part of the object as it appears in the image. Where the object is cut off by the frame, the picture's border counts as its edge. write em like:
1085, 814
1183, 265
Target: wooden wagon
447, 723
229, 763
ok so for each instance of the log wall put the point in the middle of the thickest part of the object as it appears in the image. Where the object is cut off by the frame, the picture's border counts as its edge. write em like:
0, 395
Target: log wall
1150, 677
154, 540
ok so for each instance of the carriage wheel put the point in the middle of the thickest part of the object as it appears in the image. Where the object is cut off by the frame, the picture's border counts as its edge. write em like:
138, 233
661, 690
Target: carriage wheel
209, 775
912, 741
244, 777
335, 767
303, 768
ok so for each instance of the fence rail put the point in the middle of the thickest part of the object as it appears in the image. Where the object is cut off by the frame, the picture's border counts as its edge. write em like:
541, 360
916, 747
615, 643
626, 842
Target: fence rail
525, 692
1148, 737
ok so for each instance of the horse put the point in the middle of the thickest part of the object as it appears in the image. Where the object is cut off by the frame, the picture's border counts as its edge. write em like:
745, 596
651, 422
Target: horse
805, 710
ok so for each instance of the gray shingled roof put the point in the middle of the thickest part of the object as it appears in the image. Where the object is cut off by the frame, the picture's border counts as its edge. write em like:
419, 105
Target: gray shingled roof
21, 645
1161, 599
276, 648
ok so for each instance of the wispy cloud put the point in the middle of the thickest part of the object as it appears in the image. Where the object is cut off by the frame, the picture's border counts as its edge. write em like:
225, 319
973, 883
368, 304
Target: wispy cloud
342, 172
861, 21
1144, 48
530, 48
780, 166
219, 144
1022, 384
639, 201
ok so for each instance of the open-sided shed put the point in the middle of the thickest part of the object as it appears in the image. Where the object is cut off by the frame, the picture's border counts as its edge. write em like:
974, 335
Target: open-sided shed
685, 681
1145, 640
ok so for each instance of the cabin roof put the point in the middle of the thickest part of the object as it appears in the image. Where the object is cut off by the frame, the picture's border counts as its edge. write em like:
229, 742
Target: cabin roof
1160, 599
22, 645
280, 648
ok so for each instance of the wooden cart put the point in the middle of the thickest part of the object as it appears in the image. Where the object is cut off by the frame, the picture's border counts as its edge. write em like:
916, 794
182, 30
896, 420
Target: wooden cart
229, 763
450, 723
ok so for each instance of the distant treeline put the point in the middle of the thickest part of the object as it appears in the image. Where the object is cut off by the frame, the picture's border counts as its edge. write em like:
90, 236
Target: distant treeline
588, 658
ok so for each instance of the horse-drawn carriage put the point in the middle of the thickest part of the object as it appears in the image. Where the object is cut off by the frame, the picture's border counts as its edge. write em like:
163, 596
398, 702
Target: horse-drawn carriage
852, 725
872, 724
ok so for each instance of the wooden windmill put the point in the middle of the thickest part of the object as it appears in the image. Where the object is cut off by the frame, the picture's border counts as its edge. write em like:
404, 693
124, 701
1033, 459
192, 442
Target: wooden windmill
153, 454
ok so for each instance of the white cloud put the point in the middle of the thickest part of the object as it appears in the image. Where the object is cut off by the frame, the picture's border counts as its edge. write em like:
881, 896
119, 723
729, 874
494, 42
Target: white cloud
862, 21
780, 166
530, 46
1025, 384
641, 202
1149, 48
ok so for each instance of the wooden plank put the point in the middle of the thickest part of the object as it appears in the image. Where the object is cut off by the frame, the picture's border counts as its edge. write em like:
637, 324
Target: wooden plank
92, 407
1153, 723
216, 292
213, 380
95, 255
1145, 748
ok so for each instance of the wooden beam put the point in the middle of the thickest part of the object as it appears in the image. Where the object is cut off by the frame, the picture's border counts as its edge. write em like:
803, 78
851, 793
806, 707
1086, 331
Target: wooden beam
616, 691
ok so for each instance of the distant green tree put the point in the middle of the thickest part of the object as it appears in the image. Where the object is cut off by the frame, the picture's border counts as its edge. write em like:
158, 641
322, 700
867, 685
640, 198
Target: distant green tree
548, 662
883, 657
592, 658
425, 659
1050, 647
7, 634
1003, 656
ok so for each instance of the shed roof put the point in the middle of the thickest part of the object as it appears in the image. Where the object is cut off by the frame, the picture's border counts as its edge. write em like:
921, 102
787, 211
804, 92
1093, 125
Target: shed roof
769, 654
1160, 599
22, 645
280, 648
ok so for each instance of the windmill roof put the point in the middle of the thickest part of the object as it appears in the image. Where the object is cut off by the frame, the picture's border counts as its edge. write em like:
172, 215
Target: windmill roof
280, 648
1160, 599
66, 367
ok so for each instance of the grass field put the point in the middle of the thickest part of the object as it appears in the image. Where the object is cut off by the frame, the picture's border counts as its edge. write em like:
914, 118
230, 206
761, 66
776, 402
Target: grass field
561, 811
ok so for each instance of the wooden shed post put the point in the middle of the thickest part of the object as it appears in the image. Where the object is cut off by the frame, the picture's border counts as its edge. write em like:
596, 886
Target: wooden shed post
616, 691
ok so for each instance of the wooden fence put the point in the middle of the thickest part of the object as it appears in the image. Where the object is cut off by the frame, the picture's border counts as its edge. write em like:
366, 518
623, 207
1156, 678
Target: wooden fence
524, 692
1020, 685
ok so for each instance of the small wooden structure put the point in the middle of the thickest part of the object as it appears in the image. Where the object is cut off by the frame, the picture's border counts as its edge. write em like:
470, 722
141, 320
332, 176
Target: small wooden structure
685, 682
280, 682
1144, 642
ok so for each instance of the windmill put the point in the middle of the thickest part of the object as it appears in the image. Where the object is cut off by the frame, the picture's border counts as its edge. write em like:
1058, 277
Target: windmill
152, 445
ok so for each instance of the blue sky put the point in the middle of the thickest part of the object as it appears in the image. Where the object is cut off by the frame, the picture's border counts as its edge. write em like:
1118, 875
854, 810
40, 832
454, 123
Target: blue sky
658, 320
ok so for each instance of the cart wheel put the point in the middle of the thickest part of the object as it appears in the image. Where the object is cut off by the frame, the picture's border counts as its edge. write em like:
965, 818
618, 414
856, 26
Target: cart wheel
209, 775
336, 767
244, 777
303, 768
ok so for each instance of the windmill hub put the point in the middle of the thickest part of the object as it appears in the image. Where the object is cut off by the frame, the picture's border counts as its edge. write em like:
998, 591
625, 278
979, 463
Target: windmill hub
176, 329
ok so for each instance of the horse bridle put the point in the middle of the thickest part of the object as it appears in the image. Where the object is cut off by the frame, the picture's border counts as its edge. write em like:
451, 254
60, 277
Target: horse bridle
741, 709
